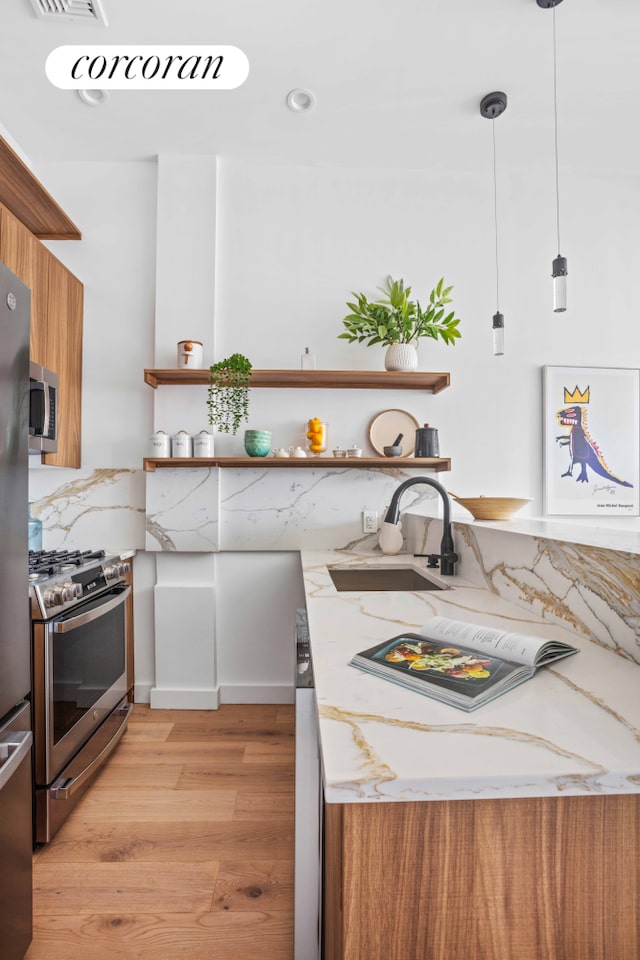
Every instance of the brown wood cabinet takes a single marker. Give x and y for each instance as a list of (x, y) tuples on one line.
[(538, 878), (56, 327)]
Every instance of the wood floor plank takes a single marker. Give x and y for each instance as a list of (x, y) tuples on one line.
[(254, 885), (221, 776), (219, 935), (147, 731), (151, 804), (150, 752), (147, 775), (111, 888), (251, 805), (277, 750), (171, 842)]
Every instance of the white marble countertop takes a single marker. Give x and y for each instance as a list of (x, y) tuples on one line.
[(572, 729), (621, 533)]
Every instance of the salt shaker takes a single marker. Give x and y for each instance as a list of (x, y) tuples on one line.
[(182, 445)]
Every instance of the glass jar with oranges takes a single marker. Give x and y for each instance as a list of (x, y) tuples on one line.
[(317, 431)]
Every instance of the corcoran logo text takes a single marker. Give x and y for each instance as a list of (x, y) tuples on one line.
[(147, 67)]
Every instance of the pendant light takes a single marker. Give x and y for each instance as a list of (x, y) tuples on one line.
[(491, 107), (559, 265)]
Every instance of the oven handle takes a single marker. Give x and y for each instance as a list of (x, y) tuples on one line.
[(64, 788), (65, 626)]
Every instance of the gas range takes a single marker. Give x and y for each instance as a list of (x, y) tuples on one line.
[(61, 579)]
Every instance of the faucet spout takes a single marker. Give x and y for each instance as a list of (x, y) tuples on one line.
[(447, 556)]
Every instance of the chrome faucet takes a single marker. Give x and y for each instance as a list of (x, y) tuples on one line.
[(447, 556)]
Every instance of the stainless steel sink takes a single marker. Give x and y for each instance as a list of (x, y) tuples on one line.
[(360, 579)]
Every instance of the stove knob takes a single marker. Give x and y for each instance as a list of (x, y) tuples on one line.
[(68, 591), (126, 568), (52, 598), (77, 591), (110, 573)]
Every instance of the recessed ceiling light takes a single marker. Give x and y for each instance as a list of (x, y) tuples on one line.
[(300, 100), (94, 98)]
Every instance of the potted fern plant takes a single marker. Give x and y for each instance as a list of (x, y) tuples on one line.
[(228, 393), (397, 322)]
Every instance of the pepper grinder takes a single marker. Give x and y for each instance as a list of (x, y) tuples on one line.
[(427, 444)]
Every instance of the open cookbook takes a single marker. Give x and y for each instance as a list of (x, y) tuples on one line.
[(462, 664)]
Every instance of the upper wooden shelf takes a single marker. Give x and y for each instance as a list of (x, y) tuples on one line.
[(318, 463), (23, 194), (330, 379)]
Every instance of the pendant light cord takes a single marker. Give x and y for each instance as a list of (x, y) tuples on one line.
[(495, 213), (555, 120)]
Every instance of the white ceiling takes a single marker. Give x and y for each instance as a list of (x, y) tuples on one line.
[(396, 84)]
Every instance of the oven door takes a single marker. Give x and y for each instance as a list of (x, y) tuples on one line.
[(79, 677)]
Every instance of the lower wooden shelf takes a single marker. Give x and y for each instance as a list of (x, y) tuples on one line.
[(380, 463)]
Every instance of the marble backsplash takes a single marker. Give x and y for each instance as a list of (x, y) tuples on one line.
[(590, 589)]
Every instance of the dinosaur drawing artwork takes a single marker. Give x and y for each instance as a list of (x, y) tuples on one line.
[(584, 451)]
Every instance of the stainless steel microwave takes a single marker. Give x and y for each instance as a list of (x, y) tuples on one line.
[(43, 409)]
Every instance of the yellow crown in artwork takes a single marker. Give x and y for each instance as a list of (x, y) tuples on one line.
[(576, 396)]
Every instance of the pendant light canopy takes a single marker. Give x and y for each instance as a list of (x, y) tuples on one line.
[(559, 265), (493, 106)]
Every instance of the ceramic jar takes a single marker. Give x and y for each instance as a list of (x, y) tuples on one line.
[(280, 453), (203, 444), (297, 452), (160, 444), (257, 443), (190, 354), (182, 444)]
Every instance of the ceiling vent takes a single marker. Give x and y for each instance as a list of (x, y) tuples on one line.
[(86, 11)]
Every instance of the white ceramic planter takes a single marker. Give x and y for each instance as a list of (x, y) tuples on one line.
[(401, 356)]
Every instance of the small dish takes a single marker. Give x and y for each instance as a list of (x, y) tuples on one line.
[(354, 451), (339, 452), (386, 426)]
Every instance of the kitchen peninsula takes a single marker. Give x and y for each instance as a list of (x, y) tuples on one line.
[(512, 833)]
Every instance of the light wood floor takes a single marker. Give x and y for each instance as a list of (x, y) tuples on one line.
[(183, 847)]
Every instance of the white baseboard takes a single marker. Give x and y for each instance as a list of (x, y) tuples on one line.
[(142, 692), (164, 699), (257, 693)]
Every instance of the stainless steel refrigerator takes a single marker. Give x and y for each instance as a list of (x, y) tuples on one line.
[(16, 816)]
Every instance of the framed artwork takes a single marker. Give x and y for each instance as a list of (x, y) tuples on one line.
[(591, 435)]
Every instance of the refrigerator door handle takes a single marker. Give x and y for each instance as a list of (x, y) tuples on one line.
[(64, 788), (12, 753)]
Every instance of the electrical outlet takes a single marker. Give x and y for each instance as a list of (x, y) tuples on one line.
[(369, 521)]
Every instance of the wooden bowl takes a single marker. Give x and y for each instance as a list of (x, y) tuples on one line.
[(492, 508)]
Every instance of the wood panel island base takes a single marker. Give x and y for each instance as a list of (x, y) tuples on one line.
[(537, 878)]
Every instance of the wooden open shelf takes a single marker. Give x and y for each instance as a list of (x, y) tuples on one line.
[(313, 379), (23, 194), (322, 463)]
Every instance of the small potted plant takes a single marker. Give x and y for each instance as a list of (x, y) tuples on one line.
[(398, 322), (228, 393)]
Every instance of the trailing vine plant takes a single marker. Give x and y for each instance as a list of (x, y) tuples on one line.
[(228, 394)]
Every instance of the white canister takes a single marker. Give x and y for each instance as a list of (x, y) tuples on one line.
[(203, 444), (182, 445), (190, 354), (160, 444)]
